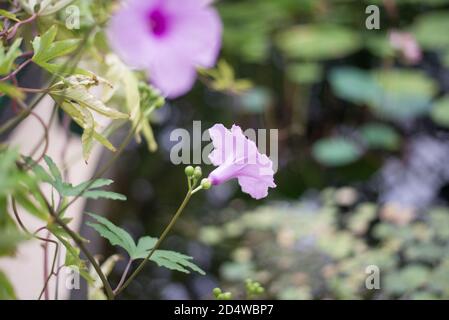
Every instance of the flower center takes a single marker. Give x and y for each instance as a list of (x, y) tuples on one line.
[(158, 22)]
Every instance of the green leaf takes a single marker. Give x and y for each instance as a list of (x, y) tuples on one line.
[(429, 30), (169, 259), (318, 42), (116, 235), (9, 15), (70, 190), (405, 93), (57, 182), (10, 237), (440, 111), (378, 135), (144, 246), (11, 91), (305, 73), (25, 201), (175, 261), (6, 288), (103, 194), (8, 57), (46, 49), (336, 151), (354, 85), (395, 94)]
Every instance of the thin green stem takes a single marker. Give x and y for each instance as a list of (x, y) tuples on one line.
[(158, 243)]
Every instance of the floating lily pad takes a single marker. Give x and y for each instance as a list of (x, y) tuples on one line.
[(440, 111), (318, 42), (378, 135), (336, 151)]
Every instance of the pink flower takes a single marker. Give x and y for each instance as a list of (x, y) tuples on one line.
[(167, 38), (406, 43), (237, 157)]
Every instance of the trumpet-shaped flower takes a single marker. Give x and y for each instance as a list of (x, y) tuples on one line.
[(237, 157), (167, 38)]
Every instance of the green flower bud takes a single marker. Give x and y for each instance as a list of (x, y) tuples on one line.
[(227, 296), (189, 171), (206, 184), (216, 292), (198, 172)]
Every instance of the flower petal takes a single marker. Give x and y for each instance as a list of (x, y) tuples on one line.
[(128, 34), (222, 141), (197, 31), (172, 75)]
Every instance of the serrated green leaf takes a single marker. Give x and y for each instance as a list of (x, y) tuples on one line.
[(42, 44), (144, 246), (46, 49), (103, 194), (60, 48), (116, 235), (57, 182), (88, 185), (84, 98), (175, 261)]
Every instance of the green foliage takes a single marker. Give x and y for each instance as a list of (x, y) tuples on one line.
[(163, 258), (88, 189), (9, 15), (72, 258), (22, 186), (47, 49), (6, 289), (223, 79), (7, 57), (73, 96), (11, 91)]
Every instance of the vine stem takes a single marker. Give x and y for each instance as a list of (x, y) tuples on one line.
[(80, 243), (89, 256), (158, 243)]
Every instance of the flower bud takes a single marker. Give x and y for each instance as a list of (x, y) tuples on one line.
[(189, 171), (226, 296), (198, 172), (206, 184), (216, 292)]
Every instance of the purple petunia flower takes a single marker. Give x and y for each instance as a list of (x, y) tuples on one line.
[(168, 38), (237, 157)]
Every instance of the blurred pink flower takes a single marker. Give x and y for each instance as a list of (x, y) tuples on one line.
[(167, 38), (408, 46), (237, 157)]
